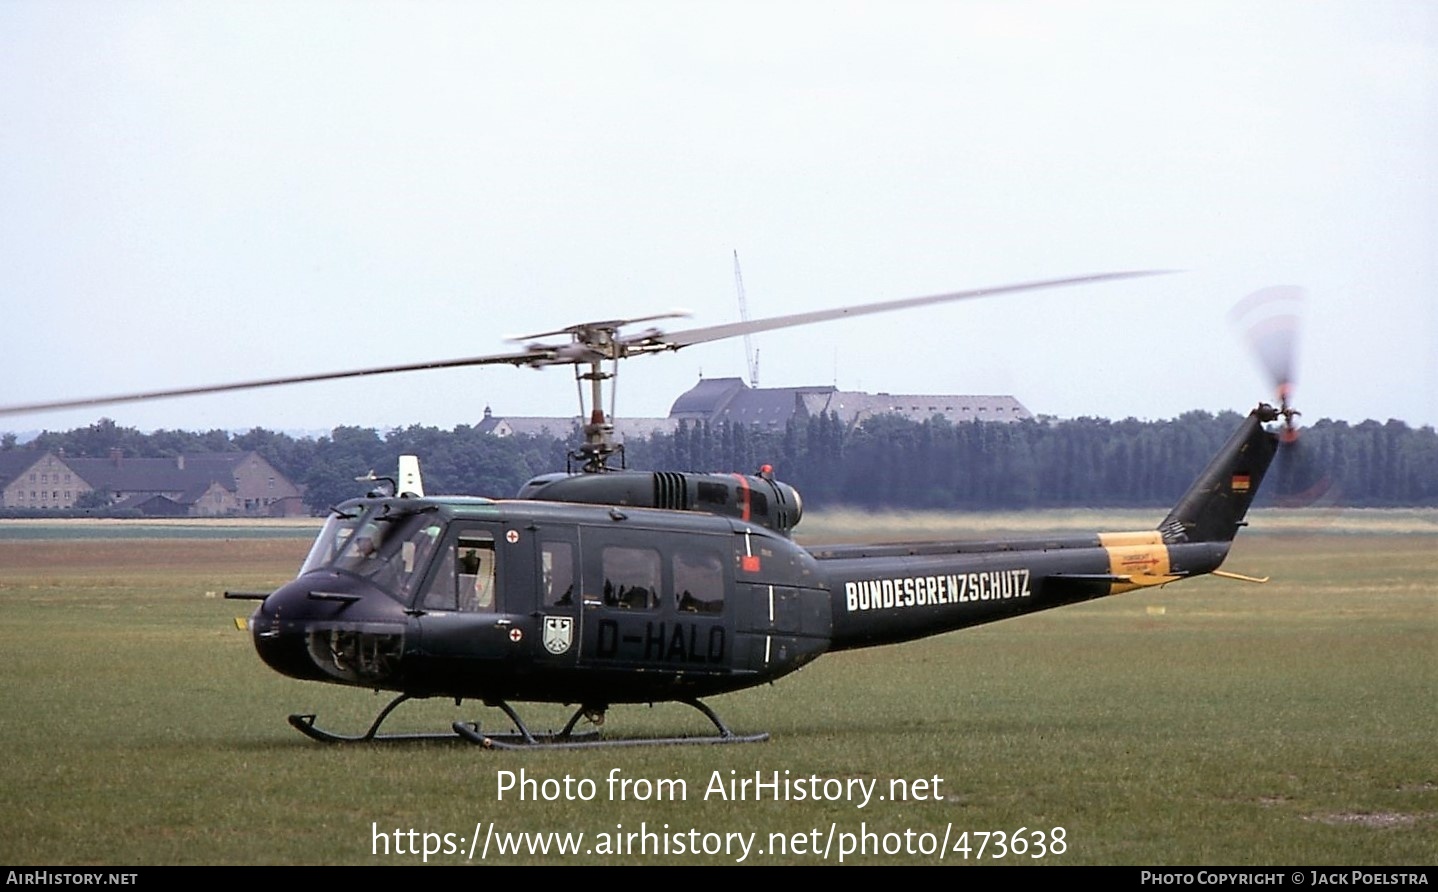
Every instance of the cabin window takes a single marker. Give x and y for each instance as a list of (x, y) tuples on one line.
[(698, 581), (557, 565), (631, 578)]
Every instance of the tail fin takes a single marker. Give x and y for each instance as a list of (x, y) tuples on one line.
[(1213, 508)]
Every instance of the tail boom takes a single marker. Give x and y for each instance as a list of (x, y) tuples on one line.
[(897, 592)]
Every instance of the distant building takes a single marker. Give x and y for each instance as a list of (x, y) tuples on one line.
[(525, 425), (563, 428), (195, 485), (731, 400), (30, 479)]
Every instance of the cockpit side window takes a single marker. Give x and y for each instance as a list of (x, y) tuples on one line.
[(415, 555), (465, 578)]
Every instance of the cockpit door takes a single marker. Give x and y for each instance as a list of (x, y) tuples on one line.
[(466, 608)]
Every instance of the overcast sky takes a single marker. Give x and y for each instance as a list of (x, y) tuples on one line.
[(195, 193)]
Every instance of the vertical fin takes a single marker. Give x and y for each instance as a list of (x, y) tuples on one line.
[(1213, 508)]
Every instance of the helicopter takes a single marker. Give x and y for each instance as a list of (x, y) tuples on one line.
[(602, 585)]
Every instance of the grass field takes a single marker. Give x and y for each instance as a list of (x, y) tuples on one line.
[(1212, 722)]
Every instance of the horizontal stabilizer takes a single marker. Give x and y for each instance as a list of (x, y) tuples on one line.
[(1088, 585)]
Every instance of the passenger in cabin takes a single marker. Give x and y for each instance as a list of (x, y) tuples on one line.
[(465, 577), (476, 579), (484, 584)]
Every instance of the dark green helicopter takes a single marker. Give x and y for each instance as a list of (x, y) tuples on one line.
[(611, 586)]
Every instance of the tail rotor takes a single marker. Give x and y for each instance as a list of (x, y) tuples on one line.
[(1270, 320)]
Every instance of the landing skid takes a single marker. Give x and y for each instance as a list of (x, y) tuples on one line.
[(305, 724), (568, 740), (522, 738)]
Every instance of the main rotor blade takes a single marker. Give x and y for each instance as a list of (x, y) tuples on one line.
[(525, 358), (649, 341), (653, 342)]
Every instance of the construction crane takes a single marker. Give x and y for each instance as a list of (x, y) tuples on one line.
[(750, 353)]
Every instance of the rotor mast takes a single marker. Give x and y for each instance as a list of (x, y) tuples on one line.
[(598, 443)]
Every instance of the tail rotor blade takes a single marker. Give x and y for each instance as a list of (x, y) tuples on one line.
[(1300, 479), (1269, 320)]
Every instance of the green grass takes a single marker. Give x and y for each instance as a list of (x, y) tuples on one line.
[(176, 528), (1209, 722)]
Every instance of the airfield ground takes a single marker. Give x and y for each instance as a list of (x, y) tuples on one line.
[(1212, 722)]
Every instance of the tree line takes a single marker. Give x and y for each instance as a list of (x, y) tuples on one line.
[(887, 462)]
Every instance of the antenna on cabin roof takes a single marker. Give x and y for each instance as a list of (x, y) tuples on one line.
[(750, 353)]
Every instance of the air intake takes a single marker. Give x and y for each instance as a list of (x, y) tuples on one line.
[(671, 491)]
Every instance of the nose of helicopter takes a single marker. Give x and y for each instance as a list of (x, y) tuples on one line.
[(328, 626)]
